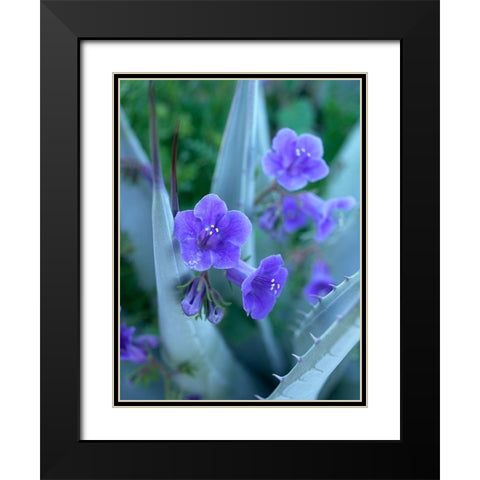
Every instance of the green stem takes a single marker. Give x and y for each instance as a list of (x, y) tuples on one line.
[(271, 188), (166, 376)]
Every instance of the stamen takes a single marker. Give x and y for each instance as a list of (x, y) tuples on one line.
[(309, 154), (297, 151), (216, 229), (303, 150)]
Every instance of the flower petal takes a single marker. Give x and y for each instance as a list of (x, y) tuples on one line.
[(284, 141), (268, 218), (342, 203), (235, 227), (324, 229), (312, 205), (258, 306), (226, 255), (186, 225), (293, 217), (315, 170), (312, 145), (320, 283), (195, 257), (272, 163), (210, 209), (193, 300), (291, 182), (281, 277), (134, 354), (149, 341), (269, 266)]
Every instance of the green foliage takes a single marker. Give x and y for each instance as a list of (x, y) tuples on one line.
[(202, 107), (298, 116), (144, 375)]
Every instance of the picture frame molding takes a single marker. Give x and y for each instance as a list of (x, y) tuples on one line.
[(64, 25)]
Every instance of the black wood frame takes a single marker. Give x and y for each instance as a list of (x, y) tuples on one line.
[(64, 24)]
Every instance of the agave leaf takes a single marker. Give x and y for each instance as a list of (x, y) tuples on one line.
[(325, 312), (245, 141), (137, 221), (307, 378), (344, 179), (342, 249), (233, 179)]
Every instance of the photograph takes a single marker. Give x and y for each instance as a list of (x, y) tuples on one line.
[(239, 239)]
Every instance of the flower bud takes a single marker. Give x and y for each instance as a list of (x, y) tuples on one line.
[(192, 302)]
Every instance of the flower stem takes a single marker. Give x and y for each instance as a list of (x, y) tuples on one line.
[(271, 188), (166, 376)]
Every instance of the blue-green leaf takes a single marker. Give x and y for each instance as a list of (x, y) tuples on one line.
[(312, 370), (136, 207), (326, 311), (342, 249)]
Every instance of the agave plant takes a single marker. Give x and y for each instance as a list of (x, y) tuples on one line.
[(238, 317)]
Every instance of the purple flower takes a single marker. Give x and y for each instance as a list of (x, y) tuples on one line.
[(135, 349), (215, 313), (260, 287), (211, 236), (294, 217), (322, 212), (320, 282), (294, 161), (193, 300), (269, 218)]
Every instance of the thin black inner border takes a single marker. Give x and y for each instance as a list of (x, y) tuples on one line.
[(244, 403)]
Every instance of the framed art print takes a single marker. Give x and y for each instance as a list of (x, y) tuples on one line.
[(202, 361), (237, 265)]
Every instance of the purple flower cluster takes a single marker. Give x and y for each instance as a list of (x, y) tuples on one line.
[(211, 236), (294, 161), (135, 348), (320, 283), (296, 210)]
